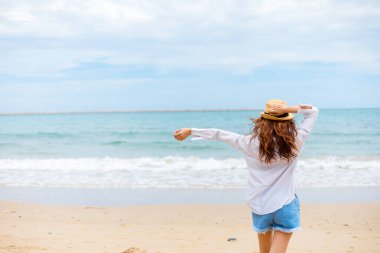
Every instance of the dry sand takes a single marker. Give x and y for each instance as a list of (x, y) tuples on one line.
[(179, 229)]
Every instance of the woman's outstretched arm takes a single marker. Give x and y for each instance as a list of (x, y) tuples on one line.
[(236, 140)]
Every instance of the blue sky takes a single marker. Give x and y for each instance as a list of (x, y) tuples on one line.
[(63, 55)]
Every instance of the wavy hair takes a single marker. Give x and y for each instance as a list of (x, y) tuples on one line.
[(277, 139)]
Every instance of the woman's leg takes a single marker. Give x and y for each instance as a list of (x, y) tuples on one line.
[(265, 241), (280, 242)]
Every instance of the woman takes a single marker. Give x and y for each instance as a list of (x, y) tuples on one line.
[(271, 153)]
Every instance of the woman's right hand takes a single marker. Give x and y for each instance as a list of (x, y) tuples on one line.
[(182, 134)]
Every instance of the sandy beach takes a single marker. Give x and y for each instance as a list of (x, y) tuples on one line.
[(192, 228)]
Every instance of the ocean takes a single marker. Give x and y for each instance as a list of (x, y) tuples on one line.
[(136, 150)]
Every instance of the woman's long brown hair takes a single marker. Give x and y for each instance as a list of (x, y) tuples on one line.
[(277, 139)]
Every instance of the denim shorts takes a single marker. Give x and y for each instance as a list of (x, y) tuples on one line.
[(285, 219)]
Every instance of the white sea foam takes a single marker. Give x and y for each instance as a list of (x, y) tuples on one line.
[(178, 172)]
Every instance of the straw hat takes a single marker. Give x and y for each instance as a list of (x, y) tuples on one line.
[(266, 115)]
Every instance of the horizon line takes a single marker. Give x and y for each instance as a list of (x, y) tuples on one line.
[(153, 110), (126, 111)]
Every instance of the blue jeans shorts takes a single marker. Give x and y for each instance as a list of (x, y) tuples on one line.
[(285, 219)]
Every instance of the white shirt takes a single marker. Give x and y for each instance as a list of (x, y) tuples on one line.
[(270, 186)]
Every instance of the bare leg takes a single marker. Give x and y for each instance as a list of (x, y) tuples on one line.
[(280, 242), (265, 241)]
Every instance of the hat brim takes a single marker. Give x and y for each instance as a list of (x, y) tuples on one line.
[(272, 117)]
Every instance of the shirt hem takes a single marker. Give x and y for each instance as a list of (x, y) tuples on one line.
[(272, 211)]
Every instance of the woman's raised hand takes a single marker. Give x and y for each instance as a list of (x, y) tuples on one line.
[(277, 109), (182, 133)]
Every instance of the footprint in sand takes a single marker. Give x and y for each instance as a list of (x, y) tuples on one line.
[(134, 250)]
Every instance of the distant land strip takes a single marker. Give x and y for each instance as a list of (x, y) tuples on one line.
[(168, 110), (127, 111)]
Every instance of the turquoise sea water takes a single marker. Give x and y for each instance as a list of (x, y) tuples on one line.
[(354, 132), (136, 149)]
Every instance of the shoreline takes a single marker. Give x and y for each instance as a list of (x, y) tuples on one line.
[(338, 228), (119, 197)]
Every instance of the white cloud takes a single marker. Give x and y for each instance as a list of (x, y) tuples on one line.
[(236, 36)]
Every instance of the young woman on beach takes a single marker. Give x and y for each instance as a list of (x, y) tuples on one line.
[(271, 153)]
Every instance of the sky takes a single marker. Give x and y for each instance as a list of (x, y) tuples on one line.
[(91, 55)]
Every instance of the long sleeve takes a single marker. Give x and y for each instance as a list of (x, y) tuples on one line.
[(235, 140), (309, 118)]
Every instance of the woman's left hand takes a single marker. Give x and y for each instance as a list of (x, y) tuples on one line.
[(182, 133), (277, 109)]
